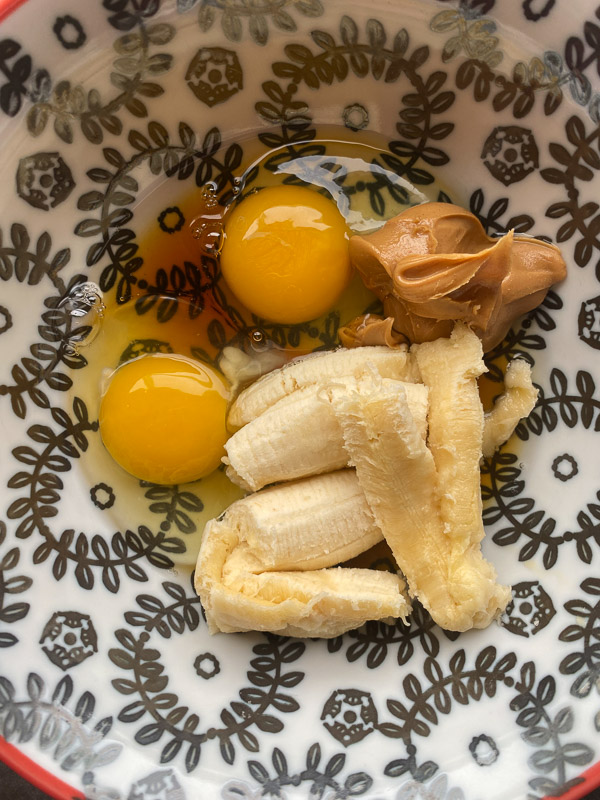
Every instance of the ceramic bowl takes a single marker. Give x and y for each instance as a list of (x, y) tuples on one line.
[(113, 115)]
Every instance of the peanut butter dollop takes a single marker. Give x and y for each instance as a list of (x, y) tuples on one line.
[(434, 264)]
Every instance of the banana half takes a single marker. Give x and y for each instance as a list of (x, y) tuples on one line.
[(267, 564)]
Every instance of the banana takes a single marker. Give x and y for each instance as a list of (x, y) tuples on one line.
[(450, 368), (299, 435), (316, 604), (308, 524), (242, 574), (397, 474), (412, 425), (517, 401), (315, 368)]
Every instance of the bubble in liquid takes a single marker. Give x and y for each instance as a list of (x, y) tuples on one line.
[(207, 228), (83, 298), (209, 195), (260, 342), (208, 234), (84, 304)]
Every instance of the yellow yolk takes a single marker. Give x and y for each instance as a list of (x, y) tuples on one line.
[(285, 253), (162, 418)]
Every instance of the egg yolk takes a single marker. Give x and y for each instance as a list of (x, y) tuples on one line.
[(162, 418), (285, 253)]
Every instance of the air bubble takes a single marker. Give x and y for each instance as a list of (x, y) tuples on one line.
[(82, 299), (208, 233), (84, 305), (259, 342), (209, 195)]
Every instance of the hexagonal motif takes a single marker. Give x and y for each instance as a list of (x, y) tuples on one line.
[(588, 322), (349, 715), (214, 75), (159, 785), (530, 609), (44, 180), (68, 638), (510, 153)]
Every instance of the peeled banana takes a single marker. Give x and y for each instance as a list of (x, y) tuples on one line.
[(299, 435), (411, 424), (250, 576), (308, 524), (316, 368), (517, 401), (397, 474), (450, 368), (317, 603)]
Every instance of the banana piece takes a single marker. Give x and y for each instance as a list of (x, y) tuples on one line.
[(239, 593), (515, 403), (299, 435), (450, 368), (308, 524), (397, 474), (316, 368), (316, 604)]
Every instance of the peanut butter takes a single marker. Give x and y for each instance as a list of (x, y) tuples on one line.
[(434, 264)]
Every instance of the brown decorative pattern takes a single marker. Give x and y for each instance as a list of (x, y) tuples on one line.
[(123, 636)]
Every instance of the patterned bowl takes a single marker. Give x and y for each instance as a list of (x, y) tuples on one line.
[(110, 686)]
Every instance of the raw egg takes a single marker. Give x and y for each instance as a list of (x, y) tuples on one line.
[(285, 253), (162, 418)]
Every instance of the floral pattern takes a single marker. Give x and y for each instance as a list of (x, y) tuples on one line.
[(126, 693)]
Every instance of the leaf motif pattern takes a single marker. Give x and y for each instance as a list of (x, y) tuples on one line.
[(42, 467), (57, 727), (503, 488), (117, 242), (544, 730), (576, 163), (583, 663), (257, 15), (268, 678), (436, 672), (334, 63), (14, 584), (135, 67)]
